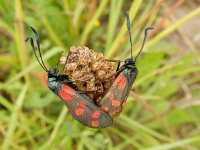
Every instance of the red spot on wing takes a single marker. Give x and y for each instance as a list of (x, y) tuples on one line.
[(117, 80), (95, 123), (66, 93), (96, 114), (82, 104), (111, 95), (79, 111), (122, 83), (68, 89), (115, 103), (115, 112), (105, 108)]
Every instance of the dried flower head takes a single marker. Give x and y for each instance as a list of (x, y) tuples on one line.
[(89, 70)]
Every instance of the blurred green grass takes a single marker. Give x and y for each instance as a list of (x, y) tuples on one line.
[(162, 111)]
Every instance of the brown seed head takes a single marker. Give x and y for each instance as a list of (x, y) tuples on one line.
[(89, 70)]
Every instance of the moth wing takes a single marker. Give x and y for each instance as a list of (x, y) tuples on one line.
[(116, 96), (83, 109)]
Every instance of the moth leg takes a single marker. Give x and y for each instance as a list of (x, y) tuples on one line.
[(116, 61)]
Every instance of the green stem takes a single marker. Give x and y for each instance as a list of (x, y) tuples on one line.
[(176, 144), (13, 119), (48, 55), (115, 10), (20, 36), (52, 34), (90, 25), (59, 121), (133, 11), (173, 27), (133, 124), (165, 68)]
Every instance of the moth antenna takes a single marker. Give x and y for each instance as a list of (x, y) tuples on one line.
[(38, 46), (65, 62), (128, 25), (58, 63), (144, 40), (33, 49)]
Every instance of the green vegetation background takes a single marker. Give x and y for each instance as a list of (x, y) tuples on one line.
[(162, 111)]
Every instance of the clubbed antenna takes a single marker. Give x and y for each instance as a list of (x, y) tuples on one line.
[(144, 40), (41, 62), (128, 24)]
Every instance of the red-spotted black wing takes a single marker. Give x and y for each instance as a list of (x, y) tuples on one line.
[(116, 96), (83, 109)]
